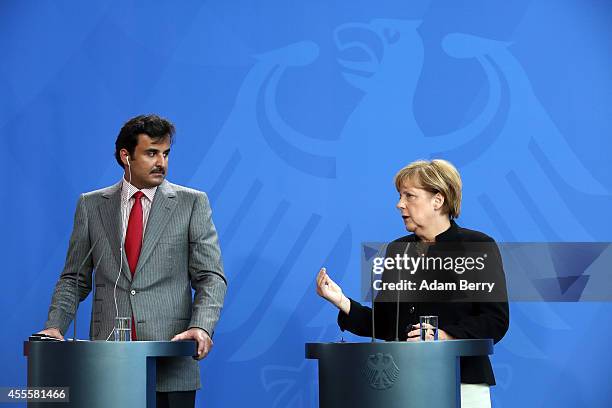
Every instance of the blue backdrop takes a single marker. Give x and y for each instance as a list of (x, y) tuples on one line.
[(294, 116)]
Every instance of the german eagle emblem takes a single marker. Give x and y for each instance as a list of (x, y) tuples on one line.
[(381, 371)]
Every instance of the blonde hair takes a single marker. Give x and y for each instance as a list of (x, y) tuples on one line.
[(435, 176)]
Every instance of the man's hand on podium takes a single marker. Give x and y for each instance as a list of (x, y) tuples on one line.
[(52, 332), (205, 343)]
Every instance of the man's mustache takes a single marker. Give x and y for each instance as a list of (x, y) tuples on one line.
[(158, 170)]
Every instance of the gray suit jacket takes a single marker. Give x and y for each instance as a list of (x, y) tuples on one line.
[(180, 251)]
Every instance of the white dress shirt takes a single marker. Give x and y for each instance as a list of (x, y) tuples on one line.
[(127, 202)]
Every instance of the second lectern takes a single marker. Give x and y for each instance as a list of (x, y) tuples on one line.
[(392, 374)]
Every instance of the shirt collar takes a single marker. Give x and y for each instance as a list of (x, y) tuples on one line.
[(451, 234), (128, 190)]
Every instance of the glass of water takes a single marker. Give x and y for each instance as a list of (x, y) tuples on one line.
[(123, 329), (429, 325)]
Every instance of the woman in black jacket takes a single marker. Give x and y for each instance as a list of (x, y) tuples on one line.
[(429, 201)]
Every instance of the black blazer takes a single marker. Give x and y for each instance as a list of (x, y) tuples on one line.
[(462, 320)]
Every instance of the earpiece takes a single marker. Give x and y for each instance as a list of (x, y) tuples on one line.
[(128, 160)]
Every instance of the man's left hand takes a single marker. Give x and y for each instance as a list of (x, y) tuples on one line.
[(205, 343)]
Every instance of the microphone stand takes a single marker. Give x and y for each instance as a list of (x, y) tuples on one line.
[(77, 298)]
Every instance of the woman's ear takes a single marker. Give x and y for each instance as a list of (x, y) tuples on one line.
[(438, 201)]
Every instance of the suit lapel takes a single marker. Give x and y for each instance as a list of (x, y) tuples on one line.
[(110, 212), (161, 210)]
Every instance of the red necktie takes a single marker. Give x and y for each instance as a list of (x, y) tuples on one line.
[(133, 240)]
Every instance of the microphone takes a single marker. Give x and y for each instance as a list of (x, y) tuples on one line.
[(76, 292), (397, 304), (372, 288), (93, 300), (418, 249)]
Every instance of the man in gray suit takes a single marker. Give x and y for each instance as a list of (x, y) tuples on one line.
[(150, 242)]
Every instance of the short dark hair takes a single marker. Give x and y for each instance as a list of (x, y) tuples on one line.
[(153, 126)]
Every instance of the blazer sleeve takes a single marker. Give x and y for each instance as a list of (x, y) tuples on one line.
[(205, 267), (79, 261)]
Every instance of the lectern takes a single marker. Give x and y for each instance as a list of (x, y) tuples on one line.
[(100, 373), (392, 374)]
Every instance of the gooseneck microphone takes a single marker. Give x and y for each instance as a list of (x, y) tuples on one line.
[(380, 250), (77, 298), (397, 303), (93, 294)]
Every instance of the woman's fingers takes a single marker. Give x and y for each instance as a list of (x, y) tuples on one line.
[(328, 289), (425, 326), (321, 278), (324, 284), (414, 333)]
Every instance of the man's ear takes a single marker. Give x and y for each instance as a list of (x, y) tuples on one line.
[(124, 154)]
